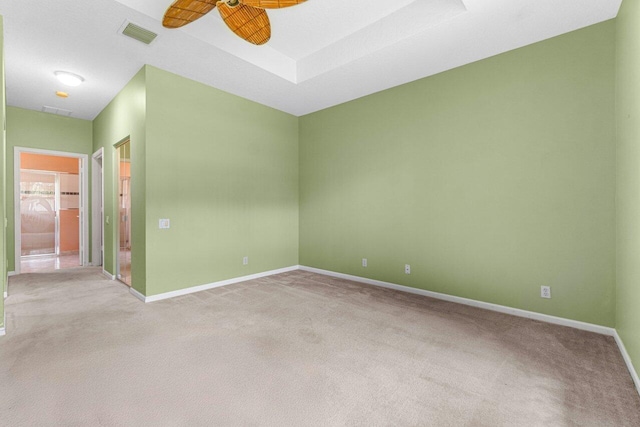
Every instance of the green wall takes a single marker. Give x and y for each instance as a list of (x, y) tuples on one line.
[(34, 129), (490, 180), (125, 117), (224, 170), (628, 177), (3, 175)]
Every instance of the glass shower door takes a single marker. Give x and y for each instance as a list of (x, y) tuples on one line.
[(38, 213)]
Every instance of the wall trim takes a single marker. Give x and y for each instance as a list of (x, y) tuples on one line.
[(576, 324), (9, 274), (604, 330), (3, 330), (208, 286), (590, 327), (108, 275), (627, 360), (97, 207), (137, 295)]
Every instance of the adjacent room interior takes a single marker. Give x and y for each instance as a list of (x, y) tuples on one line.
[(433, 223), (124, 212), (49, 212)]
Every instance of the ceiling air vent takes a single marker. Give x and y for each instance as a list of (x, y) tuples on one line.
[(137, 32), (58, 111)]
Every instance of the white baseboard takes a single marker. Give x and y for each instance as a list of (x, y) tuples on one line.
[(2, 332), (499, 308), (465, 301), (109, 275), (6, 294), (473, 303), (200, 288), (138, 295), (11, 273), (627, 360)]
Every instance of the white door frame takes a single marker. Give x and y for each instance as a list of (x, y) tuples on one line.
[(97, 208), (84, 197)]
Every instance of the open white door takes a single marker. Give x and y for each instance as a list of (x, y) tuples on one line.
[(97, 209)]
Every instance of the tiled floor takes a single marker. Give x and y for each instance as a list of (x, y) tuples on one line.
[(49, 263)]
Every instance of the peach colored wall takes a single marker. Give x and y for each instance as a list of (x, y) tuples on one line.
[(69, 230), (43, 162)]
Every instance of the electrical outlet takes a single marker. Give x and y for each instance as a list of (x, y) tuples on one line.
[(364, 262), (545, 291), (407, 269), (245, 260)]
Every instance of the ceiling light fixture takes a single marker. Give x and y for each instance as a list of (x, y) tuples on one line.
[(68, 78)]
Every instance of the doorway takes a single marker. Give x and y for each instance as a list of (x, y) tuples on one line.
[(50, 191), (124, 210)]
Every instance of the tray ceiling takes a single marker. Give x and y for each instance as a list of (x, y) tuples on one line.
[(322, 52)]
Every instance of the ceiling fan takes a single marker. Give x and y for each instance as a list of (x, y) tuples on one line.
[(247, 18)]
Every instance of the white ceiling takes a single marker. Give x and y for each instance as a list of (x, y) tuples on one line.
[(322, 52)]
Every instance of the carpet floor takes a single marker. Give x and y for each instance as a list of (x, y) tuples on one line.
[(296, 349)]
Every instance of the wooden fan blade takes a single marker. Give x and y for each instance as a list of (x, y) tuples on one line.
[(183, 12), (249, 23), (271, 4)]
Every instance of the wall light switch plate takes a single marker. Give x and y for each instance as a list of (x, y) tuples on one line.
[(245, 260), (364, 262), (164, 223)]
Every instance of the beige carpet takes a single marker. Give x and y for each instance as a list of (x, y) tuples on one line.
[(291, 350)]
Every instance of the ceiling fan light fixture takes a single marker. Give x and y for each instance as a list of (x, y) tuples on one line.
[(68, 78)]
